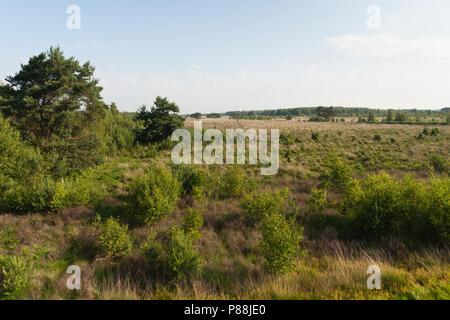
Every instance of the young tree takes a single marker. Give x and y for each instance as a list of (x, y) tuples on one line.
[(371, 117), (43, 96), (159, 122), (325, 112), (390, 116)]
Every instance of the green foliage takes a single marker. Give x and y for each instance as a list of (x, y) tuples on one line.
[(315, 136), (193, 180), (153, 196), (42, 195), (47, 195), (17, 160), (281, 242), (192, 223), (44, 98), (182, 258), (114, 238), (153, 250), (196, 115), (434, 132), (160, 122), (390, 116), (257, 205), (438, 163), (116, 131), (405, 208), (336, 172), (233, 182), (371, 117), (401, 117), (377, 137), (317, 203), (15, 276)]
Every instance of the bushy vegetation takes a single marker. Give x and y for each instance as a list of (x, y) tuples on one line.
[(15, 276), (182, 258), (233, 182), (259, 204), (152, 196), (281, 242), (187, 231), (384, 206), (193, 179), (114, 238)]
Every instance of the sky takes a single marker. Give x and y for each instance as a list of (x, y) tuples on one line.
[(217, 56)]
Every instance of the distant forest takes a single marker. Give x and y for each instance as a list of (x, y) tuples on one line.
[(338, 112)]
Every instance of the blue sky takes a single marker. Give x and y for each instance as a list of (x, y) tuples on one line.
[(215, 56)]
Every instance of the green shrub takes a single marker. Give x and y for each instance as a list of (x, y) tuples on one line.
[(405, 208), (438, 163), (47, 195), (18, 161), (315, 136), (182, 258), (377, 137), (153, 195), (193, 221), (233, 182), (114, 238), (336, 172), (153, 250), (257, 205), (318, 201), (281, 242), (15, 276), (193, 180), (434, 131), (42, 195)]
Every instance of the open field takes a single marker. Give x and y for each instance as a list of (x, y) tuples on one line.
[(331, 263)]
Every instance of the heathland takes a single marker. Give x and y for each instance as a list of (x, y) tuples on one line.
[(82, 184)]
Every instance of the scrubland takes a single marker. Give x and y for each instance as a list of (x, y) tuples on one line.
[(347, 196)]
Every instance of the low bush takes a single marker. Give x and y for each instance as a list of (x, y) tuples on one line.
[(43, 195), (153, 196), (182, 258), (192, 179), (192, 223), (114, 238), (336, 172), (317, 203), (383, 206), (438, 163), (15, 276), (257, 205), (280, 242), (233, 182)]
